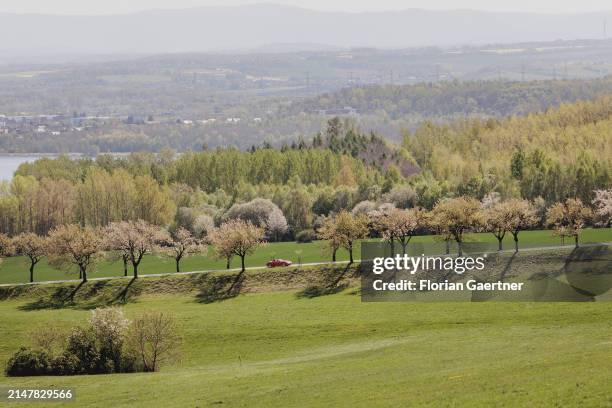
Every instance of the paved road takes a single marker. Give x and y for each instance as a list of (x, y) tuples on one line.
[(157, 275)]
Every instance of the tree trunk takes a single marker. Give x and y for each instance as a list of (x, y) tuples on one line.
[(125, 266), (392, 242), (178, 268), (447, 247), (404, 247), (460, 248), (500, 246), (135, 271), (350, 253), (334, 255), (576, 240), (515, 242), (32, 271), (242, 263), (83, 273), (228, 264)]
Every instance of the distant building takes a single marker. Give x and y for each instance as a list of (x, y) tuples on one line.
[(77, 121), (347, 110)]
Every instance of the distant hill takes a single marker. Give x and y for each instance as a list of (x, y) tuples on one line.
[(254, 26), (453, 99)]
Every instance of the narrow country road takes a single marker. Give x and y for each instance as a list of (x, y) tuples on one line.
[(252, 268)]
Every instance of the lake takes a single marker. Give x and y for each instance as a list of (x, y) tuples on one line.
[(9, 163)]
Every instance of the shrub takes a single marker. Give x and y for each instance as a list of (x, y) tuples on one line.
[(99, 348), (109, 327), (82, 347), (66, 364), (51, 340), (402, 197), (153, 338), (305, 236), (26, 362), (364, 207)]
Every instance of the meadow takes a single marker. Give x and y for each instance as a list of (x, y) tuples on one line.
[(279, 349), (278, 344), (15, 269)]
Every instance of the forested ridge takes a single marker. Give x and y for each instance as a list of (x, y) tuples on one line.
[(563, 152), (455, 98), (546, 158)]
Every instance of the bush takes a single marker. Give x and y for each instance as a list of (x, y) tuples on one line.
[(66, 364), (109, 327), (27, 362), (305, 236), (153, 337), (99, 348), (82, 348)]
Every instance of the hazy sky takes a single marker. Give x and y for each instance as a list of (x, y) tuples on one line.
[(125, 6)]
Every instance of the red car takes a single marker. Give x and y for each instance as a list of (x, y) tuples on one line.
[(278, 262)]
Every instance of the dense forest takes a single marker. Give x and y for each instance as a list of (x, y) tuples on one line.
[(546, 157), (564, 152)]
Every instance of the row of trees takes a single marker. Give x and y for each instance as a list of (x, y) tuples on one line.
[(451, 219), (73, 246), (70, 247), (30, 205)]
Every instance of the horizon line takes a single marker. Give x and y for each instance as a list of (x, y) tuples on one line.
[(315, 10)]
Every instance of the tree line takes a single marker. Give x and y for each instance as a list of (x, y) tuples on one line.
[(451, 218), (455, 98), (247, 228)]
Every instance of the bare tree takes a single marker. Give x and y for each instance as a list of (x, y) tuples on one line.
[(32, 246), (153, 338), (237, 237), (181, 244), (135, 239), (76, 245)]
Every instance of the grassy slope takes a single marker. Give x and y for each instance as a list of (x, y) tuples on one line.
[(275, 349), (15, 270), (280, 349)]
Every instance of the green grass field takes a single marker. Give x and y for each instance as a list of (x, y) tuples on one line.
[(274, 347), (277, 350), (15, 269)]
